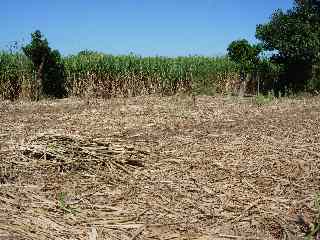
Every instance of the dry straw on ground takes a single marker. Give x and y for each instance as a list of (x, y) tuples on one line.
[(158, 168)]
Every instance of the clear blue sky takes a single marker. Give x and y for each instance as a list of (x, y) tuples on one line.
[(144, 27)]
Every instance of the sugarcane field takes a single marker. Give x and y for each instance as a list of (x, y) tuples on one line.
[(160, 120)]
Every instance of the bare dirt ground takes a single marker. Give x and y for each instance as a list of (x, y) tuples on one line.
[(158, 168)]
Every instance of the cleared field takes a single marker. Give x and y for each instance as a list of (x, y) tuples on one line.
[(158, 168)]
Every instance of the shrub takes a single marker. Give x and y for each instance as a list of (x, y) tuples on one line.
[(48, 66)]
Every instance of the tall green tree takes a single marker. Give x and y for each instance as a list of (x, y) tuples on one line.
[(244, 54), (294, 38), (48, 65)]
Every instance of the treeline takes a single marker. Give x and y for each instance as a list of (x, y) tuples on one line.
[(292, 40), (39, 72)]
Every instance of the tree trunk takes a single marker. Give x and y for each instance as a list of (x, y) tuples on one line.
[(39, 80), (243, 85)]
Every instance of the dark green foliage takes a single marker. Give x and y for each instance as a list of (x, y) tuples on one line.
[(48, 65), (295, 34), (269, 73), (314, 82), (294, 37), (53, 81), (88, 53), (245, 55), (38, 50)]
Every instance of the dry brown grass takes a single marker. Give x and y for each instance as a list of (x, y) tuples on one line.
[(158, 168)]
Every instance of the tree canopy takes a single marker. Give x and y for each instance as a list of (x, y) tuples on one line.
[(243, 53), (294, 38), (294, 34), (48, 65)]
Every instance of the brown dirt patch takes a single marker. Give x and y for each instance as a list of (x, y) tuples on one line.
[(158, 168)]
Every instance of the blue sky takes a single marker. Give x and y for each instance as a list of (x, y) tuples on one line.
[(144, 27)]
